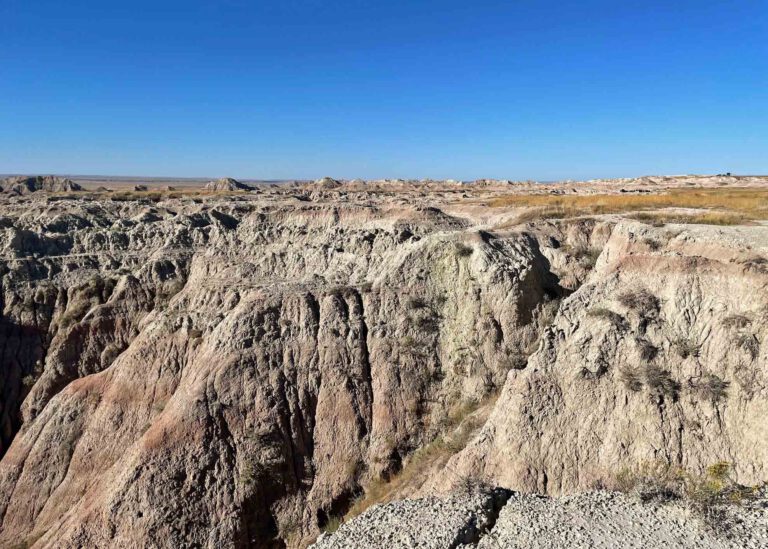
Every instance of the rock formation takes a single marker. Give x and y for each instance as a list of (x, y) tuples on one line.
[(227, 184), (664, 340), (31, 184), (235, 370)]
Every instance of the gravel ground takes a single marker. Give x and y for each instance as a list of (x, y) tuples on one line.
[(592, 520), (428, 523)]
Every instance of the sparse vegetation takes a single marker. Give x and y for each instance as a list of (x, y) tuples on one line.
[(653, 244), (460, 426), (169, 289), (720, 206), (709, 387), (462, 250), (737, 322), (707, 495), (586, 256), (659, 219), (513, 360), (685, 348), (640, 300), (95, 291), (650, 481), (749, 343), (366, 287), (660, 382), (427, 324), (333, 523), (632, 378), (646, 349), (603, 313), (416, 303)]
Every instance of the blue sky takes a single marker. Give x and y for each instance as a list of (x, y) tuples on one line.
[(514, 89)]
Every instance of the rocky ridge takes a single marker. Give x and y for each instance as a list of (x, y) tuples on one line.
[(26, 185)]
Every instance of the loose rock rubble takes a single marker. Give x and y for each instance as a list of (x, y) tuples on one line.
[(599, 520)]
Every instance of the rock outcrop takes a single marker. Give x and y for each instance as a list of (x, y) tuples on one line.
[(262, 361), (227, 184), (664, 340), (31, 184)]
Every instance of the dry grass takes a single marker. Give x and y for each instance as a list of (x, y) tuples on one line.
[(709, 387), (459, 427), (724, 206), (706, 495), (153, 195), (640, 300), (606, 314)]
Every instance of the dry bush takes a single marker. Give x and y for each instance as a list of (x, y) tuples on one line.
[(606, 314), (709, 495), (513, 360), (709, 387), (587, 257), (640, 300), (462, 250), (685, 348), (427, 324), (653, 245), (461, 425), (749, 343), (757, 263), (650, 481), (416, 303), (660, 382), (332, 524), (736, 322), (632, 378), (646, 349)]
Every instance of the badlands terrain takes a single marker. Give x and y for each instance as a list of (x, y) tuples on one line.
[(384, 363)]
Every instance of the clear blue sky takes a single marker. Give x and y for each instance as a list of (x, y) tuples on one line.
[(463, 89)]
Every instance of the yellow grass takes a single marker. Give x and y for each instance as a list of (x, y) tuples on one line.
[(462, 423), (725, 206)]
